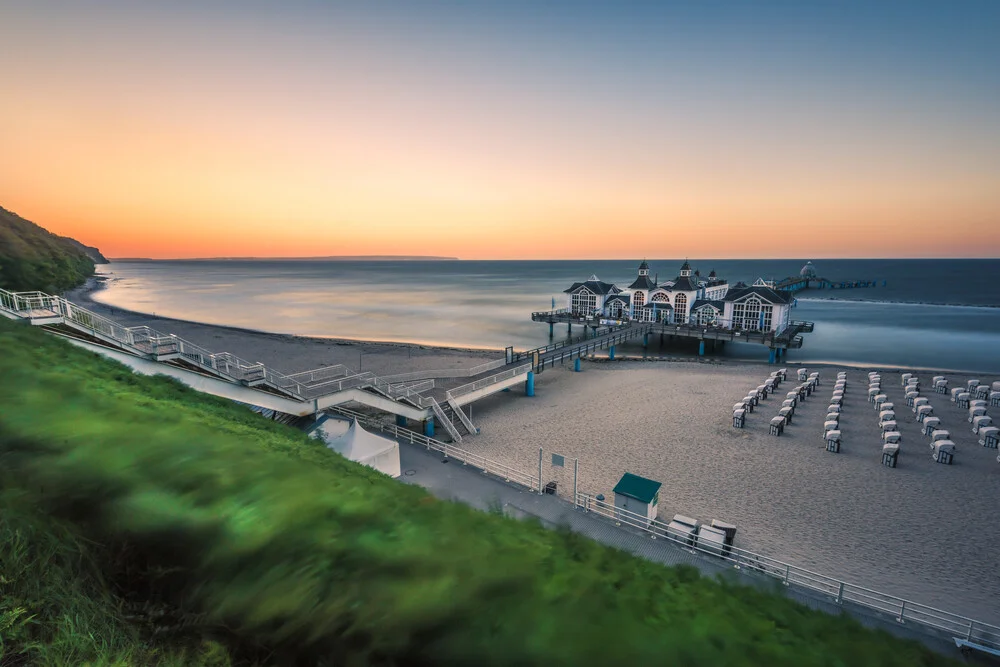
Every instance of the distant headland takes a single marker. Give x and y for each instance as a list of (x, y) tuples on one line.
[(330, 258)]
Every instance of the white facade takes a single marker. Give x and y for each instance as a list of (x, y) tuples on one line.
[(687, 299)]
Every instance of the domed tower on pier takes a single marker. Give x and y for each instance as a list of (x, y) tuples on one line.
[(808, 271)]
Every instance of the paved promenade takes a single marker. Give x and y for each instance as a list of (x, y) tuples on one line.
[(450, 480)]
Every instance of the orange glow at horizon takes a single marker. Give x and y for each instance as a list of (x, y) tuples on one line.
[(183, 155)]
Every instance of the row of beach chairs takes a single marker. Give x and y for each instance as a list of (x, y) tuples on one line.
[(753, 398), (802, 391), (831, 426)]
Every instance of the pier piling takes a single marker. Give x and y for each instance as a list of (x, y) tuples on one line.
[(772, 356), (529, 384), (429, 427), (576, 364), (701, 348), (611, 353)]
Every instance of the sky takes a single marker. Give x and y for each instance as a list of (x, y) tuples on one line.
[(503, 130)]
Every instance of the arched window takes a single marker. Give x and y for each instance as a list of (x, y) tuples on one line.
[(638, 298), (615, 309), (660, 297), (680, 308)]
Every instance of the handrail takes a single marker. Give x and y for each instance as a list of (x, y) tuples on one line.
[(841, 591), (487, 381), (443, 418), (462, 417)]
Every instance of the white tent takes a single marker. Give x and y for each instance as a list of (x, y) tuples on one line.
[(352, 441)]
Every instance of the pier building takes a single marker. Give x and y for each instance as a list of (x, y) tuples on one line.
[(689, 306)]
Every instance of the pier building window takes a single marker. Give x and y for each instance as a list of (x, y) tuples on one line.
[(661, 297), (615, 310), (747, 314), (584, 303), (680, 308), (706, 316), (638, 299)]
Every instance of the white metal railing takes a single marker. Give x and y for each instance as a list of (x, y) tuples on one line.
[(445, 421), (462, 417), (487, 381), (447, 373), (484, 464), (841, 591), (319, 374)]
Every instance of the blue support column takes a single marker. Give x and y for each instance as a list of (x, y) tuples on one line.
[(552, 329), (400, 420), (529, 384), (569, 328), (771, 359), (576, 364), (429, 427), (701, 348), (611, 352), (645, 340)]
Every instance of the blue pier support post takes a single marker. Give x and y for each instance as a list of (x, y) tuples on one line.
[(529, 384), (552, 329), (576, 364), (400, 420), (429, 427), (701, 348), (772, 357), (611, 353), (569, 328), (645, 340)]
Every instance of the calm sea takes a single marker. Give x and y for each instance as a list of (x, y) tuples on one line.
[(928, 313)]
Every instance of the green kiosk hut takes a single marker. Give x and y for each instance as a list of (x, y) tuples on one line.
[(637, 495)]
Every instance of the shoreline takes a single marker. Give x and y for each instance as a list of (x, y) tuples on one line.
[(84, 296)]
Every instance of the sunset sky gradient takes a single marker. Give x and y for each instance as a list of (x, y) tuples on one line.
[(506, 129)]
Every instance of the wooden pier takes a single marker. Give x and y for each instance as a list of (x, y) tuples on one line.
[(787, 339), (798, 283)]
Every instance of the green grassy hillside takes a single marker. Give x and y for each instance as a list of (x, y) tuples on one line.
[(33, 259), (157, 524)]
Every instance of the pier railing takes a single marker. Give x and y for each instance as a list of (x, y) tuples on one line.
[(838, 591), (487, 381)]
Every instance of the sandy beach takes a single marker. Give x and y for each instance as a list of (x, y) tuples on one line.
[(923, 531)]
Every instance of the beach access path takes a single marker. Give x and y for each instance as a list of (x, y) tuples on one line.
[(450, 480)]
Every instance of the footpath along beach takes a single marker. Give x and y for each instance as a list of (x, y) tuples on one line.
[(922, 531)]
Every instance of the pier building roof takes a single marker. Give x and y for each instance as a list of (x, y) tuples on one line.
[(624, 298), (765, 293), (684, 284), (701, 303), (642, 282), (640, 488), (594, 285)]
